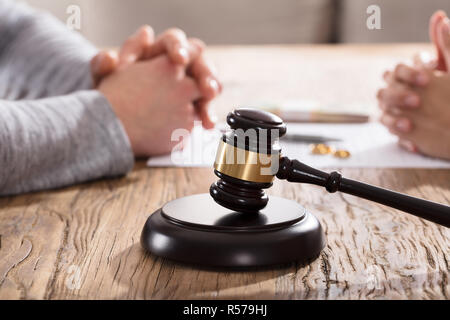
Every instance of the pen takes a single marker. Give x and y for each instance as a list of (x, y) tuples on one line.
[(320, 116), (302, 138)]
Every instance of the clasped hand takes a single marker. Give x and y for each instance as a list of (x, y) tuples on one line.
[(415, 103), (156, 86)]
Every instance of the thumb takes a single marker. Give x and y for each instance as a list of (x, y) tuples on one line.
[(435, 20), (103, 64), (443, 35)]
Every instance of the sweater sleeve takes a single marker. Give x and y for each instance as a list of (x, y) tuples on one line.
[(54, 129), (59, 141), (39, 56)]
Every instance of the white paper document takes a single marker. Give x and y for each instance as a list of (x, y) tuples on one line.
[(370, 145)]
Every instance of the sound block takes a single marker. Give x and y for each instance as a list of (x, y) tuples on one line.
[(197, 230)]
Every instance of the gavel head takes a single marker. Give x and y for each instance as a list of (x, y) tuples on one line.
[(247, 159)]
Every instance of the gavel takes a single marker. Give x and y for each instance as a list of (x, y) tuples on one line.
[(249, 158)]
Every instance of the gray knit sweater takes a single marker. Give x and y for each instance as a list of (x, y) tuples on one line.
[(54, 129)]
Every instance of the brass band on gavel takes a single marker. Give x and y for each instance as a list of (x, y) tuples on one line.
[(246, 165)]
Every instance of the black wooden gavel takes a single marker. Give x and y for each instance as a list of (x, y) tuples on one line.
[(249, 157)]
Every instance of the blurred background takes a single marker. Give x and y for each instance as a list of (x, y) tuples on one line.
[(107, 22)]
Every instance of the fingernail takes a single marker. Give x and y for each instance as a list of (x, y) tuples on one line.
[(421, 79), (408, 145), (446, 26), (440, 13), (387, 120), (412, 101), (183, 53), (213, 84), (113, 53), (403, 125)]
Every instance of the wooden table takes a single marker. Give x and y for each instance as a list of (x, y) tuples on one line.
[(82, 242)]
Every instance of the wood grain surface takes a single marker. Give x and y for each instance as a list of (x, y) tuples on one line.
[(82, 242)]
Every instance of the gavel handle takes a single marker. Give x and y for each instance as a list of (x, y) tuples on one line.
[(296, 171)]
